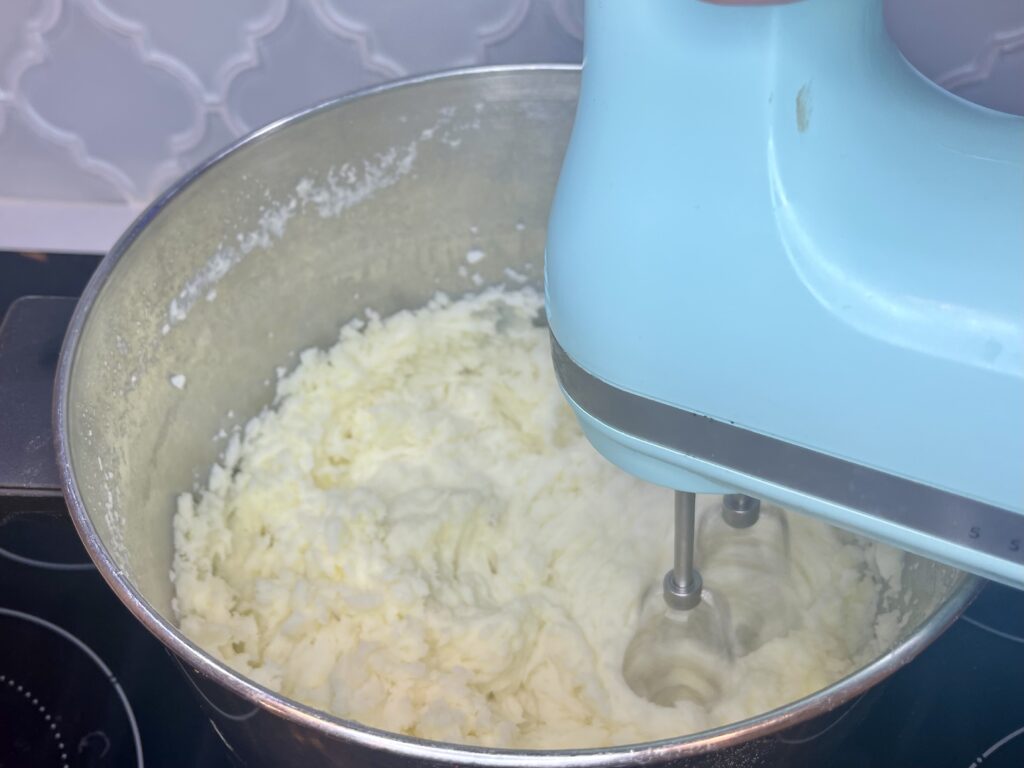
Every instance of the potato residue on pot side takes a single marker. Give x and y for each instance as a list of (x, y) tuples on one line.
[(418, 537)]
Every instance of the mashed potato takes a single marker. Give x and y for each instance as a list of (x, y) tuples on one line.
[(419, 538)]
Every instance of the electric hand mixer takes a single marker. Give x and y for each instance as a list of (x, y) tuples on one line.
[(783, 264)]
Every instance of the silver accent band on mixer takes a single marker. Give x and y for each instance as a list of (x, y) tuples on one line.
[(957, 519)]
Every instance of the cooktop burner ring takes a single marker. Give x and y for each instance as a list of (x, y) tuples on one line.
[(43, 541), (992, 630), (987, 754), (40, 709), (34, 694), (46, 564)]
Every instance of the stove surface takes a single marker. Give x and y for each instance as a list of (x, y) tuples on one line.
[(83, 684)]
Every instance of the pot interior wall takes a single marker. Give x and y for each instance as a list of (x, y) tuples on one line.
[(371, 204)]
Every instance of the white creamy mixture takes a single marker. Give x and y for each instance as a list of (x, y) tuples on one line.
[(418, 537)]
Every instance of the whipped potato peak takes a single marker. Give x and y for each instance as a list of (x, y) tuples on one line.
[(418, 537)]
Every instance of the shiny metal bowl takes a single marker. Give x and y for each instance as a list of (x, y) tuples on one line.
[(371, 200)]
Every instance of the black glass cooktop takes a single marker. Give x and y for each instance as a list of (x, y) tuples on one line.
[(82, 684)]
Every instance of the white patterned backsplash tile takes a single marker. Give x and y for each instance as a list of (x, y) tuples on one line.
[(21, 22), (206, 43), (97, 93), (218, 132), (419, 37), (305, 59), (34, 167), (975, 49), (105, 102)]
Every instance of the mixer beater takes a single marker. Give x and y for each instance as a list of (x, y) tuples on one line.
[(687, 634), (682, 585)]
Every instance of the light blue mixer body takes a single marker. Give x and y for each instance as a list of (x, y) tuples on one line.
[(782, 262)]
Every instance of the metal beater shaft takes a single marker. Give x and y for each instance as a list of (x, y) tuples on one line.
[(682, 585), (740, 511)]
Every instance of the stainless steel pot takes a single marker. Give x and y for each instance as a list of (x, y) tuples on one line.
[(369, 201)]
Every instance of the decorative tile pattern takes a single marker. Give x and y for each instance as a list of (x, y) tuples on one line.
[(973, 49), (101, 95), (21, 23), (206, 43), (395, 34), (307, 58), (107, 101), (36, 167)]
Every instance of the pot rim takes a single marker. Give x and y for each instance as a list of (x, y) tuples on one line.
[(350, 731)]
